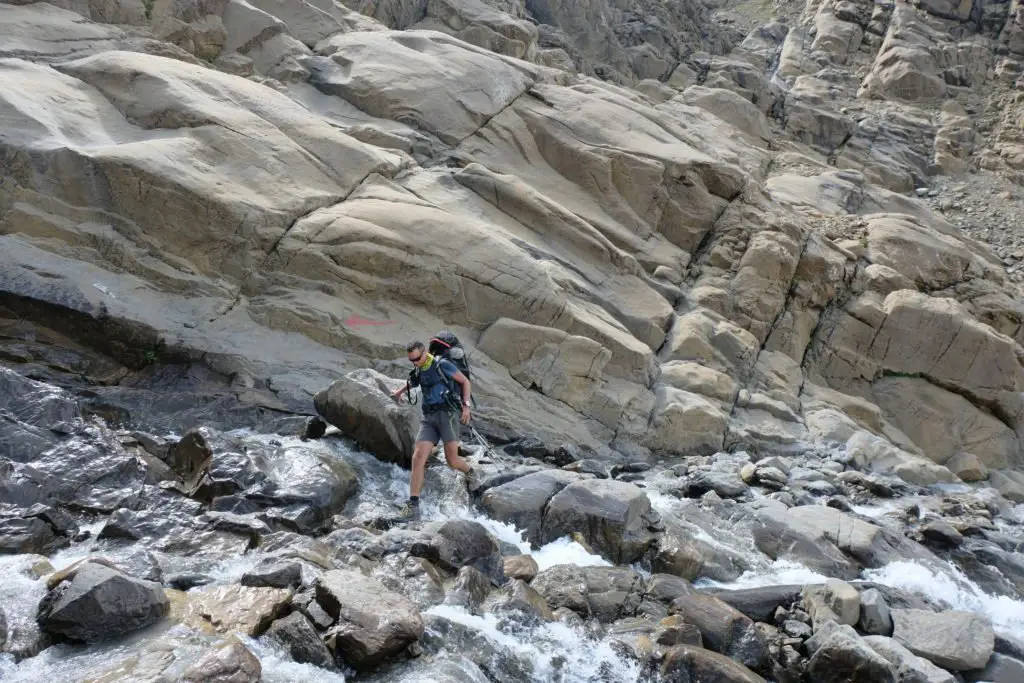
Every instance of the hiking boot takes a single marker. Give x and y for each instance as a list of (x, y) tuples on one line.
[(473, 479), (410, 511)]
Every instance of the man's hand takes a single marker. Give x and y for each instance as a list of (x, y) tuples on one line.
[(397, 394), (465, 415)]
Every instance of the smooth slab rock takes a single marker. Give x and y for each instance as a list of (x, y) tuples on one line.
[(612, 515), (384, 74), (99, 603), (957, 641), (909, 667), (372, 622)]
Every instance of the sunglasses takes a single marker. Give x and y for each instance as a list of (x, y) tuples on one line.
[(417, 359)]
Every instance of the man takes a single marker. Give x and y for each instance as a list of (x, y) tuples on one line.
[(434, 377)]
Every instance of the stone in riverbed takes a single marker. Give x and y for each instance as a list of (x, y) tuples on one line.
[(957, 641), (875, 618), (372, 622), (614, 517), (98, 603), (843, 658)]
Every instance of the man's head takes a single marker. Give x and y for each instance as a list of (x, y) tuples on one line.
[(416, 352)]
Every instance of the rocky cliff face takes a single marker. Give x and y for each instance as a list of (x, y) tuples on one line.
[(760, 245)]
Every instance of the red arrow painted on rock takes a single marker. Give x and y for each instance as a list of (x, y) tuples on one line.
[(354, 320)]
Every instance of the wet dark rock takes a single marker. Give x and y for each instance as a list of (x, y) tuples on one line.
[(35, 404), (463, 543), (274, 575), (725, 484), (40, 530), (414, 577), (189, 458), (99, 603), (1012, 645), (687, 664), (90, 472), (314, 428), (665, 588), (521, 502), (760, 603), (372, 623), (229, 662), (154, 445), (298, 488), (301, 640), (682, 553), (941, 533), (614, 517), (518, 596), (724, 629), (604, 593), (842, 658), (137, 562), (184, 582), (875, 618), (470, 590), (1000, 669)]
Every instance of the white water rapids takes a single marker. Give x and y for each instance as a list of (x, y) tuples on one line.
[(559, 653)]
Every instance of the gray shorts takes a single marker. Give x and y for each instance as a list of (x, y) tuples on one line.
[(439, 424)]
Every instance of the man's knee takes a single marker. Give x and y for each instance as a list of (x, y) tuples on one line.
[(421, 452)]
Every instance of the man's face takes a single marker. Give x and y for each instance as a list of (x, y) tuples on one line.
[(417, 356)]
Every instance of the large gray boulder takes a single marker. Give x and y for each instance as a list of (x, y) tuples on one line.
[(360, 406), (372, 623), (603, 593), (685, 663), (298, 637), (521, 502), (228, 662), (909, 667), (98, 603), (463, 543), (724, 629), (613, 516), (957, 641), (843, 658)]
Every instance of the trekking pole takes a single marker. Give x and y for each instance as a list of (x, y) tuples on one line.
[(480, 439)]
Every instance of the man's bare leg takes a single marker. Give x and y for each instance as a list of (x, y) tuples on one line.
[(419, 465), (455, 461)]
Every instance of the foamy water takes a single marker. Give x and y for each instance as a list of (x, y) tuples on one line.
[(558, 652), (953, 589)]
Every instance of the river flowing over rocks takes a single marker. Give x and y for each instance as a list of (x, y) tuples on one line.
[(739, 284)]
